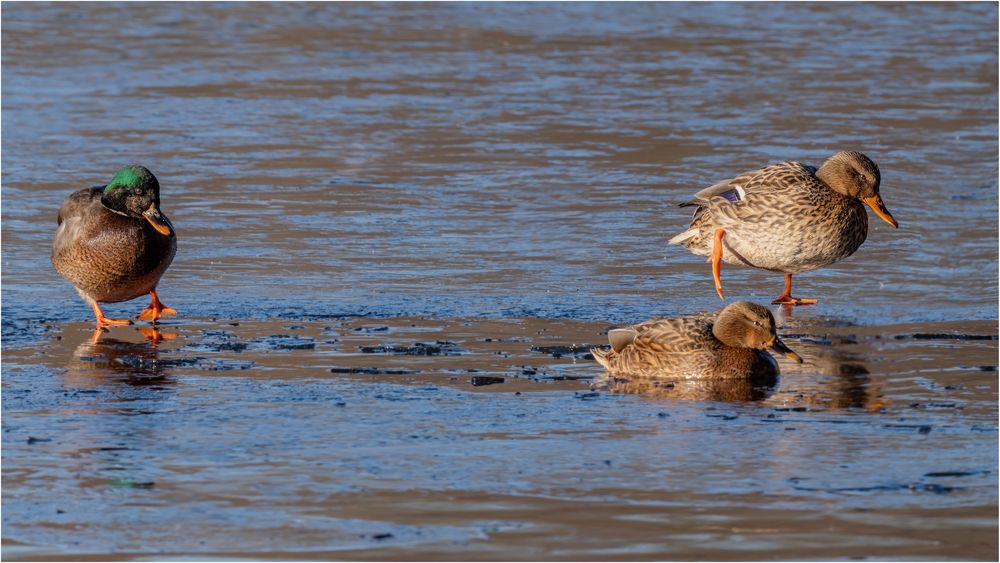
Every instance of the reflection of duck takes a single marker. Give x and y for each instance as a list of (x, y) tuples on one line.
[(730, 345), (787, 217), (113, 243), (99, 358), (830, 377), (746, 389)]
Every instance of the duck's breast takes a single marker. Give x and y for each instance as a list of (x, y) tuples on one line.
[(745, 362), (111, 257)]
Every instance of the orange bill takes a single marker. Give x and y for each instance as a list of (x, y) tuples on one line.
[(158, 221), (875, 202), (778, 346)]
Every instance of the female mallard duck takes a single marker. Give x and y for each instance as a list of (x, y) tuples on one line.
[(787, 218), (730, 345), (113, 243)]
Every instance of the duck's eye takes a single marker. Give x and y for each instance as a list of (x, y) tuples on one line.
[(136, 192)]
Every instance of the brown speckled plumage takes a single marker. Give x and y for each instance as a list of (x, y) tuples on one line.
[(111, 255), (728, 345), (108, 256), (790, 218)]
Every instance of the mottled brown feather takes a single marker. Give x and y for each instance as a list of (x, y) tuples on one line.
[(687, 347), (108, 256), (789, 221)]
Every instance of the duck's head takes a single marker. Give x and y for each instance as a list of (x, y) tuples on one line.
[(747, 325), (135, 192), (855, 175)]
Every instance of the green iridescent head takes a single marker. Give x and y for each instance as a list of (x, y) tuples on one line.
[(135, 192)]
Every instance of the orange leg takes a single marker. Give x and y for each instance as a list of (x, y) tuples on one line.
[(786, 296), (155, 310), (716, 260), (104, 321)]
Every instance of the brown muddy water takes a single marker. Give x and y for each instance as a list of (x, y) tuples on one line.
[(402, 225)]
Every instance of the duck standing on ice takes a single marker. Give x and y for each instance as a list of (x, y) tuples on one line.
[(113, 243), (786, 218)]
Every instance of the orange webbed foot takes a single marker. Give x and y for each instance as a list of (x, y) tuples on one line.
[(786, 296), (152, 314), (793, 301), (105, 321), (156, 309)]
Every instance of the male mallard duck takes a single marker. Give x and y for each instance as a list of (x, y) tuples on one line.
[(113, 243), (787, 217), (730, 345)]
